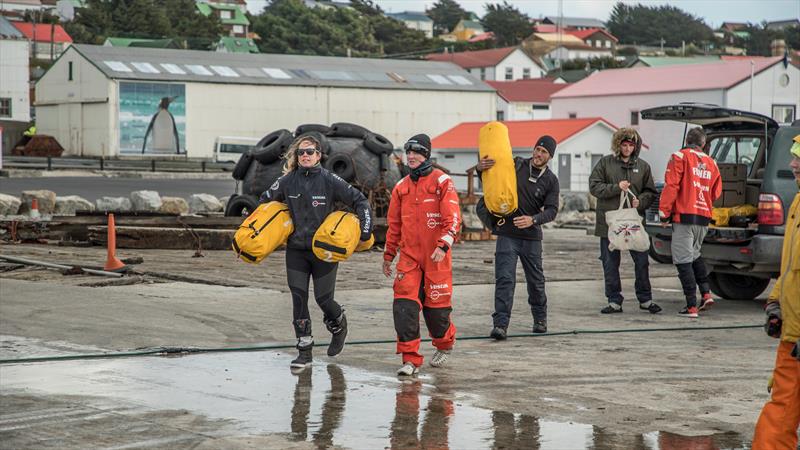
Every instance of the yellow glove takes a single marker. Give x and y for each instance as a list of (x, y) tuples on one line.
[(770, 383)]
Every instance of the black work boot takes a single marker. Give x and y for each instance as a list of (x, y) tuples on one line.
[(540, 326), (305, 343), (338, 329), (499, 333)]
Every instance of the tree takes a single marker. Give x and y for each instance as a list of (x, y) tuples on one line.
[(445, 15), (199, 31), (648, 25), (392, 35), (760, 40), (509, 25)]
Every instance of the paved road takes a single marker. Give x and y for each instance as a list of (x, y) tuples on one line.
[(91, 188)]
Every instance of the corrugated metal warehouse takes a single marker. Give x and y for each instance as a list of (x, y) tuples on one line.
[(110, 101)]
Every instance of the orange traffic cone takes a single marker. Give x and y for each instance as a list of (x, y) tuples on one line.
[(113, 264), (35, 209)]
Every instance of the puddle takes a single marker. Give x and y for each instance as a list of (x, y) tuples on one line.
[(329, 405)]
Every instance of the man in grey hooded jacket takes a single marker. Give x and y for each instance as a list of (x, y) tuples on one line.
[(623, 171)]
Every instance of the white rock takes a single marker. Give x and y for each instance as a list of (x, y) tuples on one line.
[(122, 204), (68, 205), (46, 200), (148, 201), (9, 205), (204, 203), (224, 201), (174, 205)]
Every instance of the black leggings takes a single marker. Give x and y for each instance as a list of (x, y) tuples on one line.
[(300, 266)]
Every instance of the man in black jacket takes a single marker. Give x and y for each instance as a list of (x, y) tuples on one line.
[(620, 171), (520, 236)]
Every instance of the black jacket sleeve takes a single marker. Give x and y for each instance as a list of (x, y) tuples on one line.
[(649, 192), (550, 208), (276, 192), (347, 194), (598, 184)]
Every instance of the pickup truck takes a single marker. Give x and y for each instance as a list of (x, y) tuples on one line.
[(741, 259)]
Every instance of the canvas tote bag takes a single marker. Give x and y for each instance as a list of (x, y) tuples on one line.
[(625, 229)]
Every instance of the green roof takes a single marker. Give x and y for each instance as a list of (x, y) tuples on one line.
[(742, 34), (238, 45), (237, 16), (140, 42), (659, 61), (473, 24)]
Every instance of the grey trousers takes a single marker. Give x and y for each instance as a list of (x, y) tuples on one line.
[(686, 242)]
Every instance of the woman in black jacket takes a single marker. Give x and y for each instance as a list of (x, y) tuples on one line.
[(311, 193)]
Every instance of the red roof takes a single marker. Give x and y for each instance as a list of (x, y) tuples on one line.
[(522, 133), (677, 78), (535, 90), (583, 34), (741, 57), (43, 32), (477, 58), (481, 37)]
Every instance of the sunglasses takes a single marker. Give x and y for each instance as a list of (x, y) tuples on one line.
[(307, 151), (416, 148)]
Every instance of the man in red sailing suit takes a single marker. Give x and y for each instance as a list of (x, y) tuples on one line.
[(424, 219)]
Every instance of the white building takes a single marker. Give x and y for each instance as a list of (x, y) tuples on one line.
[(581, 143), (415, 20), (497, 64), (525, 99), (15, 105), (99, 101), (20, 6), (619, 95)]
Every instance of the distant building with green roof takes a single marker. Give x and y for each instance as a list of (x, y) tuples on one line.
[(229, 44), (140, 42), (233, 19), (659, 61)]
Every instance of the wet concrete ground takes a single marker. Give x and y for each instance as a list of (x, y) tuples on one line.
[(227, 398), (640, 390)]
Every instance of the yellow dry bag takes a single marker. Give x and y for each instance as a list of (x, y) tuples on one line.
[(266, 229), (500, 181), (337, 238)]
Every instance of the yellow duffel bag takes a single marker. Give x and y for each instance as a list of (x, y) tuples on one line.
[(500, 181), (338, 237), (266, 229)]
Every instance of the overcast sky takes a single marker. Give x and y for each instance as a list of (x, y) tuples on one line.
[(714, 12)]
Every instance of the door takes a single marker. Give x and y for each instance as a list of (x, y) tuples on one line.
[(564, 171)]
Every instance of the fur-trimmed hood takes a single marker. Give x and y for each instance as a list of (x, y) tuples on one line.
[(626, 134)]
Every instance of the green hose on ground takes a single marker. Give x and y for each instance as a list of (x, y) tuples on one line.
[(165, 351)]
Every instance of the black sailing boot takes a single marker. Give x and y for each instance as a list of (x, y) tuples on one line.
[(338, 329), (305, 343)]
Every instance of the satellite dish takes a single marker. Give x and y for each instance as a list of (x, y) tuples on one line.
[(65, 10)]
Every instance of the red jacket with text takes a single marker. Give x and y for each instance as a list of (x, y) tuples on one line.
[(691, 185)]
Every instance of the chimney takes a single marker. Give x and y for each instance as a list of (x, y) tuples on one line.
[(777, 47)]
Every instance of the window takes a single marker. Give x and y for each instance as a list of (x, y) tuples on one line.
[(526, 73), (598, 43), (460, 80), (5, 107), (732, 149), (69, 71), (332, 75), (225, 15), (449, 156), (144, 67), (634, 117), (509, 73), (117, 66), (541, 107), (225, 71), (238, 29), (573, 115), (251, 72), (783, 113), (276, 73), (439, 79), (483, 73), (173, 69), (608, 44), (501, 115), (199, 70)]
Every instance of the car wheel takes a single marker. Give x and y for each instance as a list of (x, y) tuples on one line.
[(737, 287), (241, 206), (661, 259)]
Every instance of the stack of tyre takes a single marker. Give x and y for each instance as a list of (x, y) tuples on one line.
[(353, 152)]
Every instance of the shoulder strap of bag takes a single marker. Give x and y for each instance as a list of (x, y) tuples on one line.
[(625, 200)]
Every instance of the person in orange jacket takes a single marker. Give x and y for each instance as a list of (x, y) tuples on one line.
[(424, 219), (779, 421), (691, 185)]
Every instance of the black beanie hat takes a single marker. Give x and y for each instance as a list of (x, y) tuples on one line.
[(421, 144), (548, 143)]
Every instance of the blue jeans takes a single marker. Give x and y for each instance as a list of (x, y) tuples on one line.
[(641, 269), (507, 251)]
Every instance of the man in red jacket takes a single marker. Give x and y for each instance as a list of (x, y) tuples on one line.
[(692, 183), (423, 219)]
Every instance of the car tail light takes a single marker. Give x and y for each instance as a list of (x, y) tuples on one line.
[(770, 210)]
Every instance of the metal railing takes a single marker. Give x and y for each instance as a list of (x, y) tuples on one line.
[(141, 165)]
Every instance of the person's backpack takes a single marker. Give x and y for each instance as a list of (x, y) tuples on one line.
[(499, 181), (625, 229), (266, 229), (338, 237)]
